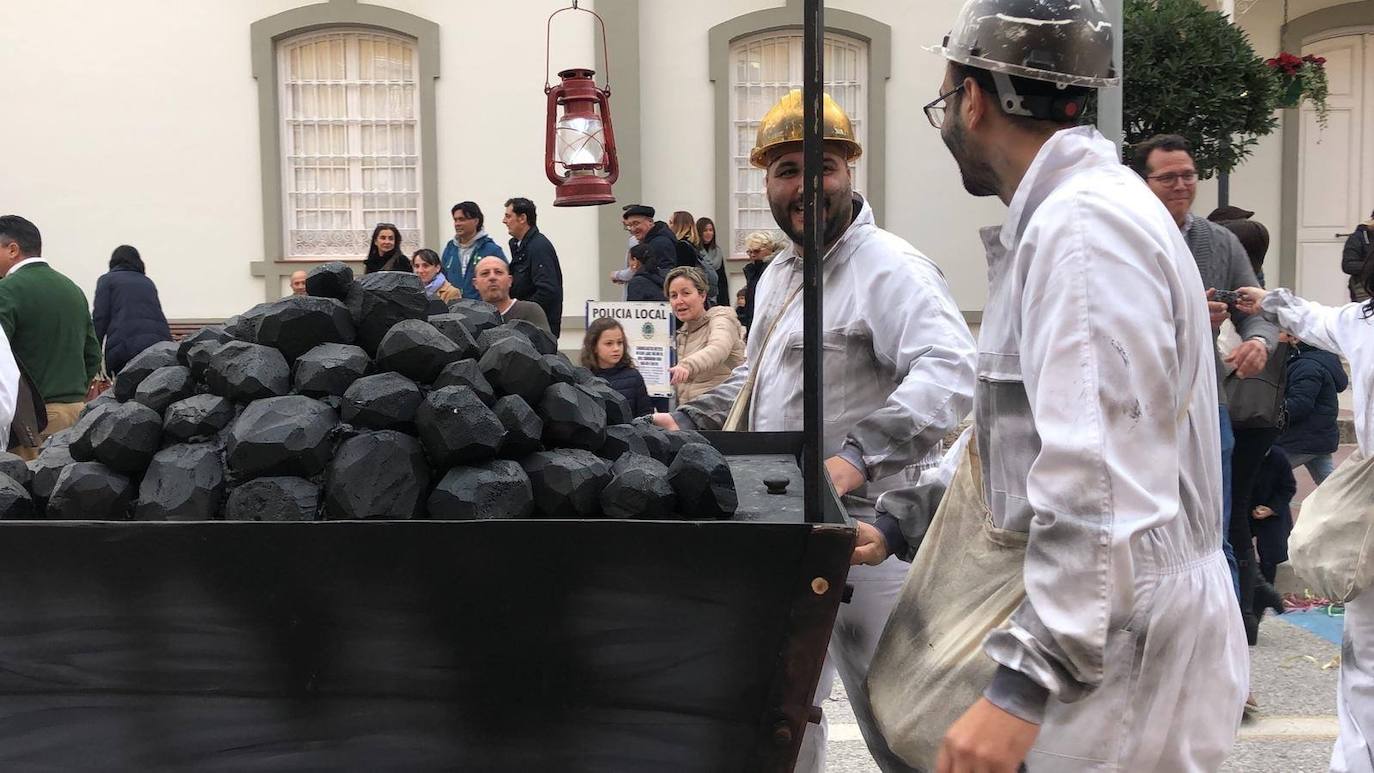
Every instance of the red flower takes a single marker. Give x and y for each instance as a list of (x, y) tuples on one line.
[(1286, 62)]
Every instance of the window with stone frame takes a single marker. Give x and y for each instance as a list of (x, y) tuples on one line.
[(763, 68), (350, 139)]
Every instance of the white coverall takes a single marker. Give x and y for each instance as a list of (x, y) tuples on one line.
[(1096, 412), (1345, 331), (9, 386), (898, 376)]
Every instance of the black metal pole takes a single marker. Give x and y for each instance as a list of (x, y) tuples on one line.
[(813, 74)]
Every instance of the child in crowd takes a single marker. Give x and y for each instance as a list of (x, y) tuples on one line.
[(604, 353), (1271, 521), (646, 283)]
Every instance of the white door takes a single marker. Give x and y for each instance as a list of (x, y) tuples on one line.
[(1335, 191)]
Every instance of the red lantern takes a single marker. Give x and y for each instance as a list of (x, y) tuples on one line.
[(579, 144)]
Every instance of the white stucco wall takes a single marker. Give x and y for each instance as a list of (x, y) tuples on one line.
[(142, 128)]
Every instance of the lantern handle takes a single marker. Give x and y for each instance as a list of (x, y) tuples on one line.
[(605, 49)]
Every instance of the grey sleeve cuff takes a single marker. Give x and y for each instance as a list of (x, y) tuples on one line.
[(1016, 694), (892, 533), (683, 420), (854, 455)]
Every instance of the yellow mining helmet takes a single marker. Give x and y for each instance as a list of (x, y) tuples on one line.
[(782, 126)]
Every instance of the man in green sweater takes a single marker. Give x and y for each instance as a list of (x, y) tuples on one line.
[(48, 322)]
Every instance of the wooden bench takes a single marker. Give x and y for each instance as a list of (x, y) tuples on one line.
[(184, 327)]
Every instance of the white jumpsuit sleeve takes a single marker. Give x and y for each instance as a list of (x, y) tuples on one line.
[(9, 386)]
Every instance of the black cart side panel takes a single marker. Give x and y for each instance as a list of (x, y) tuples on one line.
[(539, 645)]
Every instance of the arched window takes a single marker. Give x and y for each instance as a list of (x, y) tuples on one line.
[(350, 140), (763, 68)]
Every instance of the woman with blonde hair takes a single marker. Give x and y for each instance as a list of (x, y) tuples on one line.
[(710, 342), (684, 227)]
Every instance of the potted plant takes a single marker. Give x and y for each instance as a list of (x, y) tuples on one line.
[(1301, 78)]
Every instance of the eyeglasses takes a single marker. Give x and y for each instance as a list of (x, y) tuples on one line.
[(755, 252), (935, 112), (1168, 180)]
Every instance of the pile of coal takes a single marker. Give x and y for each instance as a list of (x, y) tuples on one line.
[(357, 401)]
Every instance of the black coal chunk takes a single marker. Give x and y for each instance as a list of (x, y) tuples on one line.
[(329, 369), (515, 368), (491, 336), (244, 372), (16, 502), (183, 483), (583, 376), (200, 354), (165, 386), (477, 316), (497, 489), (639, 489), (456, 330), (81, 432), (108, 396), (377, 475), (572, 418), (656, 438), (244, 327), (543, 340), (567, 483), (273, 499), (383, 401), (524, 428), (456, 427), (560, 369), (701, 477), (417, 350), (331, 280), (90, 491), (466, 373), (622, 439), (159, 355), (615, 405), (381, 299), (196, 418), (211, 333), (16, 468), (124, 437), (46, 469), (296, 324), (281, 436), (676, 440)]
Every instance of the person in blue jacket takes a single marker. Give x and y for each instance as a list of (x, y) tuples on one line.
[(128, 315), (470, 243), (1315, 378)]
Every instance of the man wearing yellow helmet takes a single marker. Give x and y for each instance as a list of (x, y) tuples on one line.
[(898, 375), (1095, 414)]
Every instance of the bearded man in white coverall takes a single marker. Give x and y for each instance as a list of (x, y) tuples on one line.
[(898, 375), (1095, 416)]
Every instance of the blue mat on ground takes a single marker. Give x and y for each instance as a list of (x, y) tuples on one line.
[(1317, 621)]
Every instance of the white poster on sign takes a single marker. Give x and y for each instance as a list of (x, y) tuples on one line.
[(648, 336)]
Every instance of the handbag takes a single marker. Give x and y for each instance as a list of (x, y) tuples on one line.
[(1331, 546), (102, 380), (966, 581), (1257, 402)]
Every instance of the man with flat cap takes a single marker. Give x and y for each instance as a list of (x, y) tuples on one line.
[(639, 221)]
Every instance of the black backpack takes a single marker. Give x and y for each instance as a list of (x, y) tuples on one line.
[(687, 254)]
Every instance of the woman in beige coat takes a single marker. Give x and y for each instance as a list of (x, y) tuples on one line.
[(710, 342)]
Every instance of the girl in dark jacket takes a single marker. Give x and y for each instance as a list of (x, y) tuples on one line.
[(605, 354), (128, 315), (646, 283), (1311, 435), (385, 253)]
